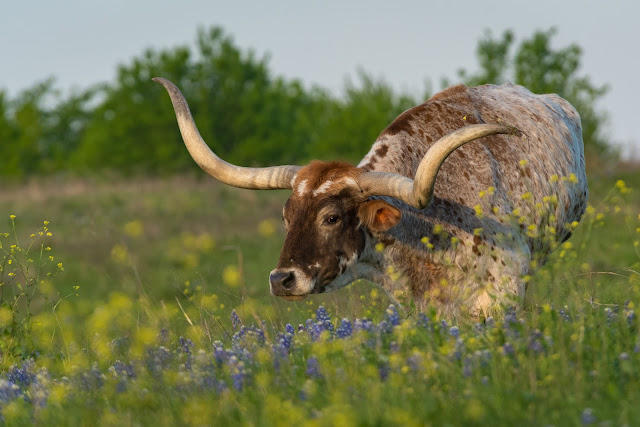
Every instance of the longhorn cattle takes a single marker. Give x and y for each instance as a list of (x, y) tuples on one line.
[(464, 242)]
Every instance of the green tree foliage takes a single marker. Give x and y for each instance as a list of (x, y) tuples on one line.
[(356, 120), (245, 113), (539, 67)]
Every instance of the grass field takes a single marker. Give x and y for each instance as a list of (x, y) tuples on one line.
[(160, 313)]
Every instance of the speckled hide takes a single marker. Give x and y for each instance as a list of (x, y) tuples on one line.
[(502, 203)]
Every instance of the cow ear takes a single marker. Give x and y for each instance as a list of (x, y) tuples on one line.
[(378, 215)]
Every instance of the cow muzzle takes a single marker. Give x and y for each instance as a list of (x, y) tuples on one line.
[(290, 284)]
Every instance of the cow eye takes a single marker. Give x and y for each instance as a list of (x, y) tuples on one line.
[(333, 219)]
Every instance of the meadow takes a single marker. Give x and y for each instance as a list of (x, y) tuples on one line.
[(145, 301)]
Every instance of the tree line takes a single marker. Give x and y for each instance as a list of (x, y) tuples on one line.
[(248, 115)]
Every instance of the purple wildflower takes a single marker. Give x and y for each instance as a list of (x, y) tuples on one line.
[(314, 329), (323, 318), (158, 359), (425, 322), (414, 362), (8, 391), (289, 329), (185, 345), (508, 350), (611, 315), (313, 367), (392, 315), (124, 369), (454, 331), (22, 376), (489, 322), (467, 367), (384, 327), (383, 371), (235, 320), (363, 325), (535, 343), (565, 316), (219, 353), (631, 315), (344, 330), (444, 326)]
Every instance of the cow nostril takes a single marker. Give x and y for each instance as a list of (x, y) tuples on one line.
[(284, 279)]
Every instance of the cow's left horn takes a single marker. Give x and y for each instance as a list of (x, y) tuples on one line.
[(418, 192), (271, 178)]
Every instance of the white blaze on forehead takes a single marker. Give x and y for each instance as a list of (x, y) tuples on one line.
[(302, 188), (323, 188), (327, 184)]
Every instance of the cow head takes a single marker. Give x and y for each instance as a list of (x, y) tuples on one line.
[(325, 218), (330, 206)]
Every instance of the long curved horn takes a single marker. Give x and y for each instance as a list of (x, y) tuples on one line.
[(270, 178), (418, 192)]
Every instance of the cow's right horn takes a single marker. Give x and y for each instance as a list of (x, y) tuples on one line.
[(270, 178)]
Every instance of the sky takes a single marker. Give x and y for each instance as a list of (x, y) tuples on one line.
[(407, 43)]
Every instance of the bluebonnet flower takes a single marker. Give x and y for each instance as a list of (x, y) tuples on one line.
[(392, 315), (289, 329), (364, 325), (158, 359), (8, 391), (425, 322), (534, 342), (444, 326), (185, 345), (323, 318), (92, 379), (313, 367), (489, 322), (314, 329), (219, 353), (124, 369), (631, 315), (508, 349), (22, 376), (286, 340), (564, 314), (414, 362), (467, 368), (384, 327), (383, 371), (235, 319), (587, 417), (454, 331), (163, 337), (238, 372), (611, 315), (344, 330)]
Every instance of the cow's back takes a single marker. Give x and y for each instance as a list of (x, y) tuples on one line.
[(521, 169)]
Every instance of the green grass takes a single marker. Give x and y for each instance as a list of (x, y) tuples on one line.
[(152, 263)]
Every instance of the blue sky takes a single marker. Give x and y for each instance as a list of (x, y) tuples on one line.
[(80, 42)]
